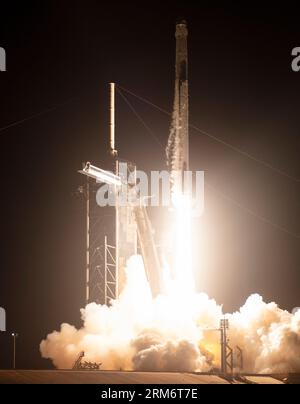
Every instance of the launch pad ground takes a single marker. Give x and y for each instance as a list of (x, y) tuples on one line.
[(122, 377)]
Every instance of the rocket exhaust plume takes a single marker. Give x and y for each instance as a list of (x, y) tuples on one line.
[(138, 332)]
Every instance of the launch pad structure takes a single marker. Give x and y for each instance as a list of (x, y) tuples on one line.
[(105, 263)]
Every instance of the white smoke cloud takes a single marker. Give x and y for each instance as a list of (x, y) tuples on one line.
[(175, 333), (271, 336), (154, 355)]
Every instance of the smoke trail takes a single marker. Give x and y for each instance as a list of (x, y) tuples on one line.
[(167, 333), (172, 142), (174, 146)]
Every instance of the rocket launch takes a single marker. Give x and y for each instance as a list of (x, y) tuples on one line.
[(177, 330), (178, 144), (178, 163)]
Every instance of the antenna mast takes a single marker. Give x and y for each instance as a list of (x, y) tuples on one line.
[(113, 151)]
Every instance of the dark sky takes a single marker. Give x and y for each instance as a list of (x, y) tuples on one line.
[(242, 90)]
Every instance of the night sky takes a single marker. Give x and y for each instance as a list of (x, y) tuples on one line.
[(60, 58)]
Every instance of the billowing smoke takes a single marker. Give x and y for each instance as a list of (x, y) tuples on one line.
[(175, 333), (153, 353)]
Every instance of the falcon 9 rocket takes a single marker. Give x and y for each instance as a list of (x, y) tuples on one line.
[(178, 143)]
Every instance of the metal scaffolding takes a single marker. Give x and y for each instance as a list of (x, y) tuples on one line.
[(110, 273), (100, 269), (94, 290), (105, 265), (226, 350)]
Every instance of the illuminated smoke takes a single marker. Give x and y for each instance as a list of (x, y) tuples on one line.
[(170, 333), (174, 148)]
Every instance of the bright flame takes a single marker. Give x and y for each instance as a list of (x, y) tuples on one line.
[(183, 242)]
